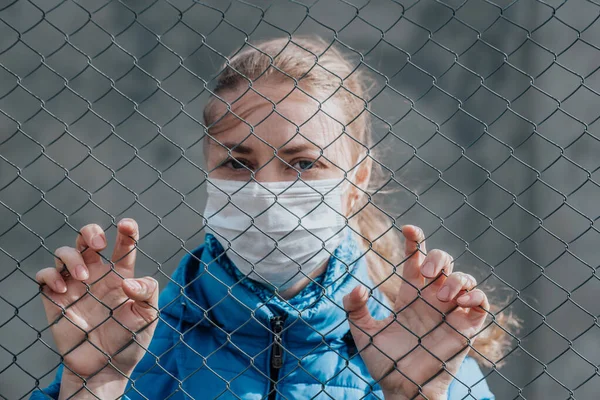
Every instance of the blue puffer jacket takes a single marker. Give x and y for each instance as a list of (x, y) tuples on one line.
[(215, 339)]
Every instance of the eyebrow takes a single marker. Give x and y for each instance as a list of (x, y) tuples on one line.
[(233, 146), (289, 150), (286, 150)]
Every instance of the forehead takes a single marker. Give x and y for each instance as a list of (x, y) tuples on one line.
[(275, 115)]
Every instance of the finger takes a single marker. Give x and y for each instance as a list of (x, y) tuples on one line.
[(125, 246), (52, 283), (144, 292), (435, 262), (359, 316), (90, 241), (454, 284), (73, 260), (476, 300), (51, 278), (414, 252)]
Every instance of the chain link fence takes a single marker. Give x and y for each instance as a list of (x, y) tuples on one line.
[(485, 114)]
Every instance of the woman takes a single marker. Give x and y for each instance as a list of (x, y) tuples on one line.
[(301, 289)]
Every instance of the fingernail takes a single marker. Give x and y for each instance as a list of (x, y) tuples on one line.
[(60, 286), (98, 241), (428, 269), (133, 285), (81, 272), (444, 293), (464, 298), (363, 292), (126, 223)]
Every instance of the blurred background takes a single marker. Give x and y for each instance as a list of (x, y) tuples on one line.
[(487, 115)]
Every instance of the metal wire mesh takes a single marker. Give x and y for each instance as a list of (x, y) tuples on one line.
[(485, 114)]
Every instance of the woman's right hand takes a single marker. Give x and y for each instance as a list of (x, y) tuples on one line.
[(99, 313)]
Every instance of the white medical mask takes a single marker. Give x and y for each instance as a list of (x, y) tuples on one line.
[(273, 230)]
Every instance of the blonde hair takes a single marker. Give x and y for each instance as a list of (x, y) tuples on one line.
[(324, 73)]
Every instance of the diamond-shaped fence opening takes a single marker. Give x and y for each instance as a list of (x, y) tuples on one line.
[(272, 154)]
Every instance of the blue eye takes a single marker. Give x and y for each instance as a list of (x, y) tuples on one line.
[(238, 164), (304, 165)]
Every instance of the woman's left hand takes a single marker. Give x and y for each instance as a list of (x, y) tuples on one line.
[(404, 351)]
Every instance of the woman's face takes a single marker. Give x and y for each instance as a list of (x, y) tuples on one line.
[(307, 140)]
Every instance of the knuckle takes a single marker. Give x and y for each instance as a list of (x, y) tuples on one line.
[(126, 240), (151, 283), (458, 278), (127, 236), (151, 316), (39, 276), (436, 253), (44, 275), (151, 279), (62, 251)]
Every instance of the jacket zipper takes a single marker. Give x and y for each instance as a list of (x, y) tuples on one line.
[(277, 323)]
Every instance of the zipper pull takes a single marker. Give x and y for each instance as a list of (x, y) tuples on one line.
[(277, 353)]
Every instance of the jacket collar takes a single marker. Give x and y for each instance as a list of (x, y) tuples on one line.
[(207, 290)]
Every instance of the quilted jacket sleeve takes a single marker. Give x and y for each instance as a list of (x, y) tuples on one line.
[(156, 376), (53, 390), (156, 370)]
